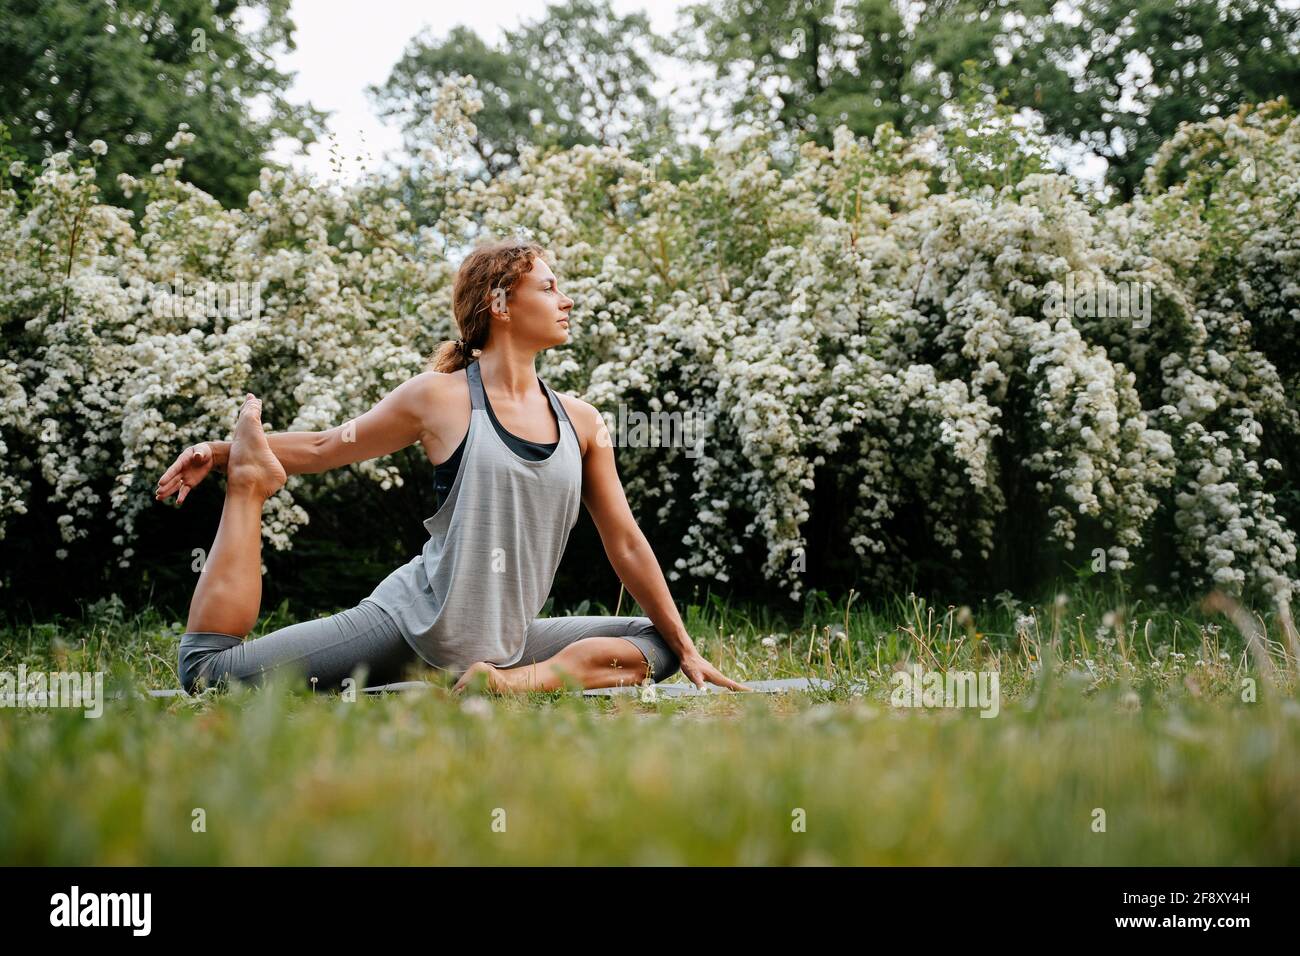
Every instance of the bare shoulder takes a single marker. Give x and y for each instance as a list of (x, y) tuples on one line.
[(587, 421), (436, 389), (441, 401), (414, 394), (431, 382)]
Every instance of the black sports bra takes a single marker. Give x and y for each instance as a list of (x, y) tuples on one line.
[(444, 474)]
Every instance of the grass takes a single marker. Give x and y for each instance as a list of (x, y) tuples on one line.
[(1108, 706)]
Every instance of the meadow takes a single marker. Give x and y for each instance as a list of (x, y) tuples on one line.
[(1128, 733)]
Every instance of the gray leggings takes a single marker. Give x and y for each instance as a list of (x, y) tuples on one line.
[(333, 648)]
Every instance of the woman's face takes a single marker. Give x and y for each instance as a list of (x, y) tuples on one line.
[(537, 310)]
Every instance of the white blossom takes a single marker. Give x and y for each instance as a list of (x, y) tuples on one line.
[(841, 322)]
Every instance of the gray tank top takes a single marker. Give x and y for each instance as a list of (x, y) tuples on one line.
[(494, 546)]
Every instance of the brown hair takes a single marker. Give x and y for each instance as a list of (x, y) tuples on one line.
[(491, 266)]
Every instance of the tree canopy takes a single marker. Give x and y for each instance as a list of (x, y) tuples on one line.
[(131, 72)]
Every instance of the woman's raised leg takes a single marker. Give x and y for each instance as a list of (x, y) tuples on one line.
[(228, 596), (362, 642)]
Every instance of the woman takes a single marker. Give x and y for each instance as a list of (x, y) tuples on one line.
[(515, 460)]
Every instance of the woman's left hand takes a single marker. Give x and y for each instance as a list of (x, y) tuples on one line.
[(189, 468), (698, 670)]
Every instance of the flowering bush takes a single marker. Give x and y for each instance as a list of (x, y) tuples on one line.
[(872, 330)]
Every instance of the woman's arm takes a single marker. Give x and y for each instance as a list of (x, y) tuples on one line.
[(296, 451), (396, 421), (630, 553)]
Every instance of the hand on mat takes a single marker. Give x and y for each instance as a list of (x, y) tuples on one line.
[(697, 670), (191, 467)]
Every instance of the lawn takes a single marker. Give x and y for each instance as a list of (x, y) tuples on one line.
[(1122, 737)]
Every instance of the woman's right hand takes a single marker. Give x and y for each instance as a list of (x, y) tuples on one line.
[(191, 467)]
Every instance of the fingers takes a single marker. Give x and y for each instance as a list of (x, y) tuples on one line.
[(716, 677), (168, 486), (170, 474), (163, 492), (172, 470), (735, 686), (173, 477), (727, 682)]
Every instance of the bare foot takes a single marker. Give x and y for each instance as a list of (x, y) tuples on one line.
[(252, 465), (494, 679)]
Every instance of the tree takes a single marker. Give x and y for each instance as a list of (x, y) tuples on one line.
[(577, 75), (807, 65), (1147, 66), (130, 72), (1115, 78)]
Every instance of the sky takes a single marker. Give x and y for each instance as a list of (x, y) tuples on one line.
[(340, 53)]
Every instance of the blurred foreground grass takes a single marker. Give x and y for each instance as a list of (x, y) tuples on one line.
[(1147, 725)]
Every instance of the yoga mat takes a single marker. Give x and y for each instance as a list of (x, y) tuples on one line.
[(685, 689), (784, 685)]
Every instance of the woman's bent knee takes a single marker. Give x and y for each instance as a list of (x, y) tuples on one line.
[(197, 657), (661, 659)]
